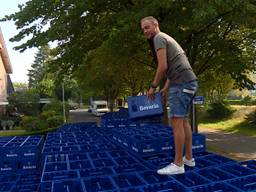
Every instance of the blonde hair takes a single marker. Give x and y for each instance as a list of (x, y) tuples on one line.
[(149, 18)]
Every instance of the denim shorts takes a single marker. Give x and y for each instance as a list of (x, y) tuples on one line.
[(180, 98)]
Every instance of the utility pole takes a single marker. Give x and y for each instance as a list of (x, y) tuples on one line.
[(63, 103)]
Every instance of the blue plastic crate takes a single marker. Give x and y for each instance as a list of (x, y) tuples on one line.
[(70, 149), (52, 150), (68, 186), (144, 145), (215, 187), (9, 152), (99, 184), (198, 143), (171, 186), (32, 147), (107, 162), (128, 180), (118, 153), (96, 172), (191, 179), (237, 170), (5, 139), (77, 156), (8, 166), (151, 177), (218, 159), (202, 162), (9, 178), (87, 148), (45, 186), (250, 163), (202, 154), (215, 174), (29, 179), (28, 165), (129, 160), (56, 158), (6, 187), (247, 183), (140, 106), (166, 144), (59, 175), (157, 161), (129, 168), (58, 166), (81, 164), (106, 146), (26, 188)]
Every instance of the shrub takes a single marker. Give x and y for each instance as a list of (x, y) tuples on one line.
[(220, 110), (55, 121), (26, 101), (251, 118), (57, 107), (46, 114), (33, 123)]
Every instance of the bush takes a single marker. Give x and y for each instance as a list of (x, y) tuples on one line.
[(33, 123), (251, 118), (46, 114), (57, 107), (55, 121), (26, 101), (220, 111)]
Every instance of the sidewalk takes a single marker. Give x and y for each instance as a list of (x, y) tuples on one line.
[(229, 144)]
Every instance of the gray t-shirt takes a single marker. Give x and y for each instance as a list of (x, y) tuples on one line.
[(179, 69)]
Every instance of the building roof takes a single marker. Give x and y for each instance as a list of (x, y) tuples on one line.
[(4, 54)]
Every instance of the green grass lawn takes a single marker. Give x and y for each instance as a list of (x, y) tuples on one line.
[(25, 133), (236, 124)]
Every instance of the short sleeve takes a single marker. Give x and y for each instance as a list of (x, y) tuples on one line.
[(160, 42)]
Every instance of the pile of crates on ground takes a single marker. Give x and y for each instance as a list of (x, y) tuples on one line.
[(120, 155), (20, 159)]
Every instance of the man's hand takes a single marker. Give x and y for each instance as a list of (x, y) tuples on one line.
[(151, 93)]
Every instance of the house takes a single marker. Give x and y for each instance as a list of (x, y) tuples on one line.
[(6, 87)]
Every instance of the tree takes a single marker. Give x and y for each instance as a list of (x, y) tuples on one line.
[(26, 102), (38, 77), (20, 86), (217, 35)]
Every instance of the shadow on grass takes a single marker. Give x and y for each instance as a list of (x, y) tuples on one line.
[(243, 128), (210, 120)]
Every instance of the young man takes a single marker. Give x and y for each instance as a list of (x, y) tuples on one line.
[(182, 84)]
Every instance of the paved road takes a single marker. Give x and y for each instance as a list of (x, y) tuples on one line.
[(227, 144), (82, 115)]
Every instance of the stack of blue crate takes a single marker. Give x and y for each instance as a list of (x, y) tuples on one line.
[(15, 182), (82, 158), (144, 139), (20, 154)]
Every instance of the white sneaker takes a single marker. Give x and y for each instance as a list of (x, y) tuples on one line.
[(190, 163), (171, 169)]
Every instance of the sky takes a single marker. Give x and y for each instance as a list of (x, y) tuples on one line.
[(20, 62)]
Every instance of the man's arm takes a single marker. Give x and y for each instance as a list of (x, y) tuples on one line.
[(160, 72), (162, 66)]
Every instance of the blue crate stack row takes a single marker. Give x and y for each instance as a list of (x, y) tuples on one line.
[(20, 166), (123, 155), (20, 154)]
